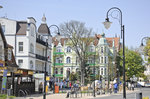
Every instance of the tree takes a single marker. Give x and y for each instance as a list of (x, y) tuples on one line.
[(79, 37), (73, 76), (133, 63), (147, 50)]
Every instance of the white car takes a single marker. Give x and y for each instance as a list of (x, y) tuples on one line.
[(141, 84), (147, 84)]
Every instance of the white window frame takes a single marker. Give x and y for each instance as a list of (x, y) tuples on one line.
[(20, 47), (68, 60), (20, 63), (68, 49)]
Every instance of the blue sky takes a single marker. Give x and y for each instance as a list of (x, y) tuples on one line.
[(136, 16)]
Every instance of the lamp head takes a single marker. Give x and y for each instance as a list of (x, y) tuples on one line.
[(58, 36), (142, 44), (107, 23)]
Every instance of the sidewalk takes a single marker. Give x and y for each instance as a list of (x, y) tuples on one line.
[(63, 96)]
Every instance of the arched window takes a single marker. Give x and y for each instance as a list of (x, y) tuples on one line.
[(105, 60), (102, 71), (58, 49), (68, 60), (61, 70), (56, 70), (31, 64), (31, 48), (101, 59), (105, 71), (91, 49), (102, 50), (68, 49)]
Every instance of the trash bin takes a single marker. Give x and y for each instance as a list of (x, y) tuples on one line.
[(56, 89), (139, 95)]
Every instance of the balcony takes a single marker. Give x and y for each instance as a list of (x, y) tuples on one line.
[(40, 40), (58, 64), (58, 75), (58, 53), (41, 57), (91, 53)]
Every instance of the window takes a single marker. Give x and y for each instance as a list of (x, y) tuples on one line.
[(58, 49), (68, 49), (105, 71), (9, 54), (68, 60), (20, 46), (101, 71), (20, 62), (91, 60), (105, 59), (101, 59), (31, 48), (102, 51), (58, 60), (3, 28), (61, 70), (91, 49), (105, 49), (56, 70), (31, 64)]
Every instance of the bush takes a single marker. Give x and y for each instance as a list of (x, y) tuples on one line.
[(4, 96)]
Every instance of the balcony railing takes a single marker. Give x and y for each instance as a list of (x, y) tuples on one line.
[(41, 57), (41, 40), (58, 64), (58, 75), (58, 53)]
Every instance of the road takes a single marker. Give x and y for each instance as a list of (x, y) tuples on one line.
[(145, 93)]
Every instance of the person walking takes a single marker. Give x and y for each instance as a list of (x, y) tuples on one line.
[(115, 87), (41, 87), (132, 86)]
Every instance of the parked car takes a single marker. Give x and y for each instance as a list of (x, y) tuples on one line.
[(140, 84), (147, 84)]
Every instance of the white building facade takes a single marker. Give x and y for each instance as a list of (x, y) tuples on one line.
[(30, 47)]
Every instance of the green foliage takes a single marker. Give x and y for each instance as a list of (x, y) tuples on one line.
[(147, 50), (133, 63), (4, 96), (73, 76)]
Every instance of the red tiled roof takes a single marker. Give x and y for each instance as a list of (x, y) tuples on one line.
[(95, 40)]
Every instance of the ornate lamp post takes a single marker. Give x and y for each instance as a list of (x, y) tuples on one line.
[(107, 24), (58, 37), (144, 38)]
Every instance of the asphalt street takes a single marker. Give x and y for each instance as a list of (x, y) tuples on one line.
[(145, 93)]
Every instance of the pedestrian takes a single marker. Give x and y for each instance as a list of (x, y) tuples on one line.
[(110, 88), (41, 87), (115, 87), (129, 86), (132, 86), (70, 85)]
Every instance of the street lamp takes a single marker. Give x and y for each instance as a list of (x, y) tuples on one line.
[(107, 24), (58, 37), (142, 41)]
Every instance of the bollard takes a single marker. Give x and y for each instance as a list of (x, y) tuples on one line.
[(145, 97), (139, 95)]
